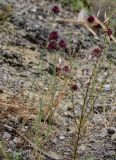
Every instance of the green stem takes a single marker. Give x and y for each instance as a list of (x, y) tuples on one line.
[(75, 155)]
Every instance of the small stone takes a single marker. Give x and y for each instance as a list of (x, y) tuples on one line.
[(27, 154), (69, 114), (9, 150), (1, 90), (111, 130), (107, 87), (26, 127), (98, 119), (113, 138), (33, 10), (103, 133), (66, 124), (62, 137), (82, 149), (105, 73), (112, 153), (23, 130), (14, 119), (16, 154), (71, 130), (12, 145), (54, 141), (40, 17), (17, 140), (67, 151), (92, 141), (6, 136)]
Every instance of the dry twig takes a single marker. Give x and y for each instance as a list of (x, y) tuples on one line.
[(84, 23), (75, 21), (104, 28)]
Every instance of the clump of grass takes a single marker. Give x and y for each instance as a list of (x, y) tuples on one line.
[(89, 100), (50, 99)]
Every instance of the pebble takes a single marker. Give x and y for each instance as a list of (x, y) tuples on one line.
[(62, 137), (16, 140), (67, 151), (71, 130), (98, 119), (111, 130), (66, 124), (107, 87), (113, 138), (69, 114), (6, 136), (33, 10), (26, 127), (12, 145), (40, 17), (14, 119), (54, 141), (23, 130), (92, 141), (103, 133), (27, 154)]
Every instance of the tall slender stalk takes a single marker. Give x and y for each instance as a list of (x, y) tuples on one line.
[(80, 126)]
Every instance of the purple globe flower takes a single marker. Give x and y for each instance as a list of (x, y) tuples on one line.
[(66, 69), (55, 9), (91, 19), (53, 36), (52, 45), (62, 44), (74, 87), (109, 32), (96, 52)]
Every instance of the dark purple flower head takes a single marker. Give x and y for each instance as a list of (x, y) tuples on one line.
[(62, 44), (53, 36), (109, 32), (96, 52), (55, 9), (91, 19), (66, 69), (74, 87), (52, 45)]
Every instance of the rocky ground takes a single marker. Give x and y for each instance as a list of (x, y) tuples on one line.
[(23, 34)]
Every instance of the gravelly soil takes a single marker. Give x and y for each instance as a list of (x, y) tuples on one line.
[(22, 38)]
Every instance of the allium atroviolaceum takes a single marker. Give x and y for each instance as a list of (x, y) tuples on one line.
[(62, 44), (52, 46), (66, 68), (96, 52), (53, 36), (74, 87), (109, 32), (56, 9), (90, 19)]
